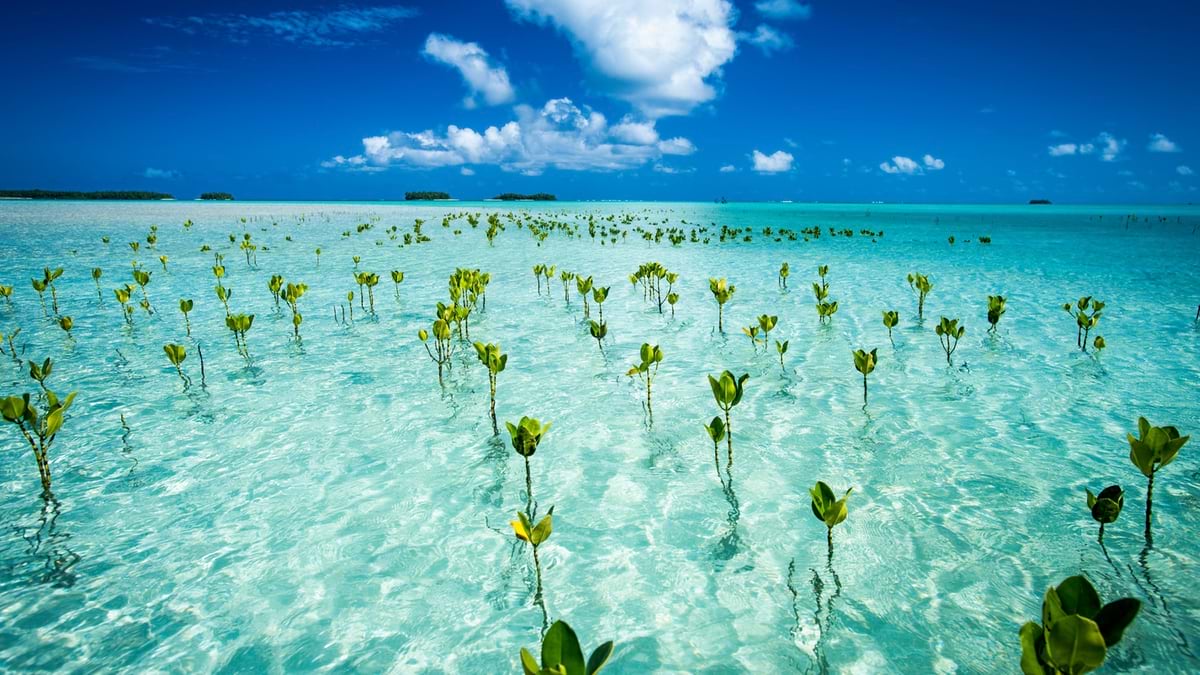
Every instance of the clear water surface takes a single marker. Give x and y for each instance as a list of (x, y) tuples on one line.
[(328, 507)]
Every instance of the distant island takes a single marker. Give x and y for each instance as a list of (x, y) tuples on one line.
[(1039, 201), (216, 196), (60, 194), (425, 196), (536, 197)]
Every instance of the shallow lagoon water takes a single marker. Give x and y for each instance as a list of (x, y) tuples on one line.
[(329, 507)]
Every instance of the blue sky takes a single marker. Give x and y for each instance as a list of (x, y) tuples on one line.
[(607, 99)]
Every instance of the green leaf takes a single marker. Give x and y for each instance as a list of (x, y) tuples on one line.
[(599, 658), (1074, 644), (1030, 663), (1091, 498), (1078, 596), (561, 647), (54, 422), (1115, 617), (528, 664)]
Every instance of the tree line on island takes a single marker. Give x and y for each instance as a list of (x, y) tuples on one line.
[(103, 194)]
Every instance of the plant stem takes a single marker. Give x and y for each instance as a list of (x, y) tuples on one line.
[(492, 383), (864, 390), (729, 437), (1149, 505), (528, 489)]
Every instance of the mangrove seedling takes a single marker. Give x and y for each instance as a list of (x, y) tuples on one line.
[(49, 276), (890, 320), (1154, 448), (123, 295), (442, 347), (996, 309), (6, 292), (40, 286), (526, 435), (599, 295), (534, 535), (318, 257), (96, 274), (727, 390), (562, 654), (864, 362), (598, 331), (767, 324), (11, 341), (350, 301), (1099, 344), (185, 306), (239, 325), (1076, 631), (223, 294), (1106, 506), (1087, 312), (291, 295), (66, 323), (397, 279), (275, 286), (716, 432), (827, 507), (495, 361), (949, 333), (584, 286), (672, 298), (921, 284), (176, 354), (651, 356), (751, 332), (537, 274), (162, 260), (142, 279), (37, 428), (784, 271), (371, 280), (722, 291), (826, 310), (781, 348)]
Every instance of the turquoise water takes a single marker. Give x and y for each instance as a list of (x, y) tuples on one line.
[(327, 506)]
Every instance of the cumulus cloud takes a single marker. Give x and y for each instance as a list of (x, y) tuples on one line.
[(728, 168), (770, 40), (1184, 170), (784, 9), (467, 171), (340, 27), (560, 134), (151, 172), (638, 133), (1109, 147), (482, 77), (1160, 143), (901, 165), (932, 163), (776, 162), (665, 57)]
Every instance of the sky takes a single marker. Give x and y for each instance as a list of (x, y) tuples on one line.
[(926, 101)]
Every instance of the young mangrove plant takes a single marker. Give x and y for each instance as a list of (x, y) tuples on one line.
[(49, 276), (1153, 449), (767, 324), (123, 294), (751, 332), (534, 535), (142, 279), (397, 279), (598, 331), (1099, 344), (1106, 506), (716, 432), (566, 278), (40, 286), (537, 274), (949, 333), (6, 293), (442, 350), (1076, 631), (584, 286), (38, 428), (781, 349), (11, 341), (891, 319), (727, 390), (526, 436), (784, 271), (828, 509), (275, 286), (291, 295), (1087, 312), (722, 291), (176, 354), (239, 325), (864, 362), (825, 308), (996, 309), (562, 654), (672, 298), (66, 323), (651, 356), (371, 280), (921, 284), (96, 274), (495, 361), (599, 295), (185, 306)]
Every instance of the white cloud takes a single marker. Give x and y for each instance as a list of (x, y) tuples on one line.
[(776, 162), (1011, 172), (784, 9), (638, 133), (339, 27), (151, 172), (663, 57), (1160, 143), (1064, 149), (770, 40), (560, 134), (932, 163), (467, 171), (728, 168), (481, 76), (672, 170), (1110, 146), (1184, 170), (901, 165)]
